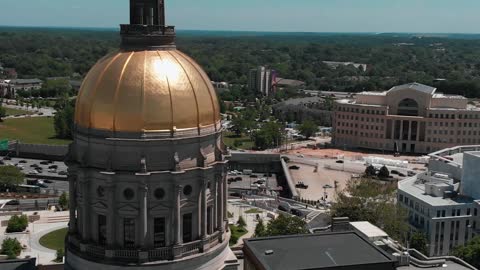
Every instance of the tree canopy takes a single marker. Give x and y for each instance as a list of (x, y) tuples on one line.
[(372, 201), (308, 128), (469, 252), (10, 176), (282, 225), (11, 247)]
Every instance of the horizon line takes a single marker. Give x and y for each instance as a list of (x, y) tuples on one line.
[(248, 31)]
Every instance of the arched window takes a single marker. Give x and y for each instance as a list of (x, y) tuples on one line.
[(408, 107)]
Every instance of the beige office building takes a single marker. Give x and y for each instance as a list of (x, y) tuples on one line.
[(410, 118)]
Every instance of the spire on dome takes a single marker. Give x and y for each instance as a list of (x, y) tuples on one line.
[(147, 27), (147, 12)]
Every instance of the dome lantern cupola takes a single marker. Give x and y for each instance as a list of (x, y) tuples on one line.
[(147, 27)]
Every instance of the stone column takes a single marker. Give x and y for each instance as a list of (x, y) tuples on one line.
[(177, 215), (111, 215), (73, 203), (177, 248), (143, 214), (393, 130), (401, 130), (220, 204), (409, 130), (84, 182), (225, 200), (216, 219), (204, 208), (418, 131)]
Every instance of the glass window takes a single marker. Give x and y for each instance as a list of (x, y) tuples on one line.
[(102, 230), (159, 232), (187, 228), (129, 232)]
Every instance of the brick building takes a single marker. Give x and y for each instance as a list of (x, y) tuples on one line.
[(410, 118)]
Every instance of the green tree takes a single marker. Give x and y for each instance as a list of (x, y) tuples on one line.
[(241, 222), (308, 128), (369, 200), (59, 255), (286, 225), (63, 121), (384, 172), (418, 241), (260, 229), (469, 252), (17, 224), (370, 171), (269, 136), (11, 247), (3, 113), (63, 201), (10, 176)]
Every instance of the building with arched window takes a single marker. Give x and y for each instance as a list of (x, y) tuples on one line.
[(410, 118), (147, 166)]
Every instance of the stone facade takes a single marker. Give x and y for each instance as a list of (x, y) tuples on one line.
[(146, 200), (409, 118)]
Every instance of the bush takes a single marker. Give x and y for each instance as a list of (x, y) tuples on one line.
[(63, 201), (233, 239), (11, 247), (59, 256), (241, 222), (17, 224)]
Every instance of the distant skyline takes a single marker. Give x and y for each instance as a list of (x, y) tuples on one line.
[(424, 16)]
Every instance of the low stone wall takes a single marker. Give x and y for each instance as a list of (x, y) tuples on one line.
[(19, 264), (37, 151)]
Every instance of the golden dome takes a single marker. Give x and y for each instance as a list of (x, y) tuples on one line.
[(147, 91)]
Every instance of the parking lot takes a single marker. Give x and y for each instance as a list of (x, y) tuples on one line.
[(254, 181), (29, 166)]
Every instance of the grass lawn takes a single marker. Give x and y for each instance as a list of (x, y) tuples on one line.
[(237, 232), (11, 111), (230, 138), (37, 130), (253, 211), (54, 240)]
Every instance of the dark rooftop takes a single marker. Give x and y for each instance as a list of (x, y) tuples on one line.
[(317, 251)]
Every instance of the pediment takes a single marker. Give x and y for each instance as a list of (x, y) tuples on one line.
[(128, 210)]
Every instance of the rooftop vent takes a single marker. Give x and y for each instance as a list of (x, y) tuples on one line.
[(268, 252)]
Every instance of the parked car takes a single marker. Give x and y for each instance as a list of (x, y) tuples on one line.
[(339, 161), (47, 181), (45, 162), (253, 176), (294, 167), (236, 179), (22, 161), (34, 165), (13, 202), (301, 185), (410, 173), (7, 158), (401, 175), (53, 167), (62, 173), (394, 172)]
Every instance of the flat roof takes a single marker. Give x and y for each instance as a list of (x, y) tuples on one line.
[(370, 230), (316, 251), (416, 189)]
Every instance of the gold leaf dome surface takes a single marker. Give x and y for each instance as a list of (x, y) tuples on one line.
[(147, 91)]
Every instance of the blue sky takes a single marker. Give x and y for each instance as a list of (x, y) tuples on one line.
[(452, 16)]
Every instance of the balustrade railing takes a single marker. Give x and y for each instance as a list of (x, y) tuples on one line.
[(160, 254), (191, 248)]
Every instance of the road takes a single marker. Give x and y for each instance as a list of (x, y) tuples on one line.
[(37, 112), (26, 165)]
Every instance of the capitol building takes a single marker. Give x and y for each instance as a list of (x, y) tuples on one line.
[(147, 168), (410, 118)]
